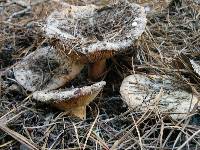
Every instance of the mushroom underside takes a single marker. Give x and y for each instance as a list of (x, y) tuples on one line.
[(76, 106), (97, 60), (97, 70), (83, 58)]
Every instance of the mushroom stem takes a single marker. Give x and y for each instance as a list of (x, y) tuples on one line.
[(79, 112), (97, 69)]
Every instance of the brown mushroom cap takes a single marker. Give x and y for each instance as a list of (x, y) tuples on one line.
[(45, 68), (139, 92), (74, 100), (95, 33)]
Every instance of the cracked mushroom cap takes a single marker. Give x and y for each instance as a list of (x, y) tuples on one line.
[(45, 68), (139, 92), (94, 33), (73, 100)]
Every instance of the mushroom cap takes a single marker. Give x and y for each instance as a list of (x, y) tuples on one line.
[(152, 6), (45, 68), (196, 66), (26, 3), (139, 92), (95, 33), (70, 98)]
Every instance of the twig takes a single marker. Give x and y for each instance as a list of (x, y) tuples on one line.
[(19, 137), (138, 132), (90, 131), (189, 139), (16, 14), (77, 137), (5, 144)]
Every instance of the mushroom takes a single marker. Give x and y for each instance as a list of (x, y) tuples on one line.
[(139, 92), (152, 6), (196, 66), (45, 68), (73, 100), (27, 3), (95, 33)]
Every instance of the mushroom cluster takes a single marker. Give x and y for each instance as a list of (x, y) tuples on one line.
[(78, 35)]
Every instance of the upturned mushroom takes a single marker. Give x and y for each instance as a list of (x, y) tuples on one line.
[(95, 33), (139, 92), (73, 100), (45, 68)]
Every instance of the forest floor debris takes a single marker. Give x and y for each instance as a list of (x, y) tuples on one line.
[(170, 42)]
